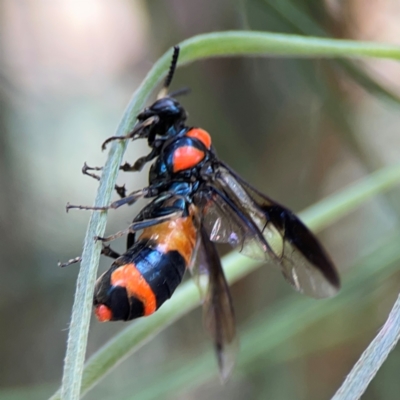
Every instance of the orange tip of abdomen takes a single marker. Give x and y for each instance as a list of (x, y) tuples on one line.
[(103, 313)]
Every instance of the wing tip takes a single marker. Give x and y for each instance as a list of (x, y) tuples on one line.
[(226, 356)]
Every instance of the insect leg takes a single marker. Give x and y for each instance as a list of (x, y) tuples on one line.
[(69, 262), (139, 225), (85, 170), (140, 162), (109, 252), (137, 132), (106, 251), (130, 199)]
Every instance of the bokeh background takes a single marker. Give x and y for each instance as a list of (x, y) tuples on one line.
[(298, 130)]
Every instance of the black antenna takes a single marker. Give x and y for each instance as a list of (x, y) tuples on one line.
[(172, 68), (180, 92)]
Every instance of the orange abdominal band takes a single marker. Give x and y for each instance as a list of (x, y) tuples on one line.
[(132, 280), (175, 235)]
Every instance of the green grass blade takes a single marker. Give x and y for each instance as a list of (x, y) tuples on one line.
[(323, 213), (82, 308), (297, 19), (373, 357), (261, 43)]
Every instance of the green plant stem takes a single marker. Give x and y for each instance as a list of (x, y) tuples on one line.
[(372, 358), (202, 46), (261, 43), (82, 308)]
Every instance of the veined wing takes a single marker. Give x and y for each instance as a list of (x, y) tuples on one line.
[(218, 313), (265, 230)]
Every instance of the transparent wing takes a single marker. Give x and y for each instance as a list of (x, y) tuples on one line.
[(218, 314), (303, 261), (231, 224)]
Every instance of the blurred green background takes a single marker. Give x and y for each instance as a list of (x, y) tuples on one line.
[(297, 129)]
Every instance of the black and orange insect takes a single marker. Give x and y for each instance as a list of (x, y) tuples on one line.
[(144, 277), (197, 201)]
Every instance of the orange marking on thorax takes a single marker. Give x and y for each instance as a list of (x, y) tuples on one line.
[(178, 234), (201, 135), (130, 278), (186, 157)]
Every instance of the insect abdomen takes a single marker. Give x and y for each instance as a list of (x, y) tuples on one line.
[(143, 278)]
